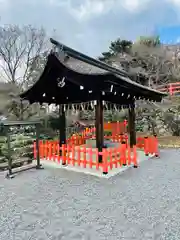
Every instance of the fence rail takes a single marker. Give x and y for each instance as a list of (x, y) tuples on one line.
[(170, 88), (114, 127), (88, 157)]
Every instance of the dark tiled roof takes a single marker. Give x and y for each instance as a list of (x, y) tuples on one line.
[(83, 67), (82, 70), (79, 66)]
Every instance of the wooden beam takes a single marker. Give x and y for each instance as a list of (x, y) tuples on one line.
[(131, 126), (62, 126), (99, 127)]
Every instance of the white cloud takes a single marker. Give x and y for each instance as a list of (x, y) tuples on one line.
[(90, 25), (176, 2), (135, 5), (91, 8)]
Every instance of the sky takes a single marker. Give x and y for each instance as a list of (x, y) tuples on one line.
[(90, 25), (169, 35)]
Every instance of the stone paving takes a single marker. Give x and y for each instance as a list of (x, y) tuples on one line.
[(55, 204)]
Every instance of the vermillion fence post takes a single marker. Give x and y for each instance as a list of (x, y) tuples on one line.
[(135, 157), (63, 154), (73, 141), (84, 157), (77, 140), (83, 140), (126, 139), (116, 157), (129, 155), (170, 89), (151, 145), (34, 150), (80, 141), (41, 149), (54, 151), (121, 137), (58, 152), (105, 163), (45, 150), (97, 159), (123, 152), (73, 155), (119, 158), (111, 157), (68, 151), (90, 157), (78, 149), (156, 150), (146, 146), (50, 150)]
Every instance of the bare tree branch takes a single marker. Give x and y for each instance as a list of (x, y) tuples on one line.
[(157, 63), (19, 47), (21, 52)]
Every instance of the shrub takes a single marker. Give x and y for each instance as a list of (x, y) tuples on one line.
[(21, 146), (172, 123)]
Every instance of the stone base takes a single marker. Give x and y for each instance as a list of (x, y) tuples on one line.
[(93, 171)]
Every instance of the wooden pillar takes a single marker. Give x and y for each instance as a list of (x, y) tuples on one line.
[(99, 127), (9, 153), (62, 126), (37, 146), (131, 126)]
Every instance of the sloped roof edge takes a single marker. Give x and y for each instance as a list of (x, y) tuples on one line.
[(119, 73), (120, 79)]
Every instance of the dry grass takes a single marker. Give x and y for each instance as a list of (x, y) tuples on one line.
[(169, 141)]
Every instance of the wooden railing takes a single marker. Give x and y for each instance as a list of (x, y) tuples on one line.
[(170, 88), (85, 156)]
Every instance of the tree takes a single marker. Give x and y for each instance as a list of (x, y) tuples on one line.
[(19, 49), (22, 54), (151, 41), (116, 47), (161, 63), (120, 46), (147, 60)]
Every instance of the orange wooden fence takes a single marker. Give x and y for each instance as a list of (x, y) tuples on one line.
[(170, 88), (78, 140), (113, 127), (116, 127), (89, 157), (148, 144)]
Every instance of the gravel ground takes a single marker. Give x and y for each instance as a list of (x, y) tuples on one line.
[(56, 204)]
